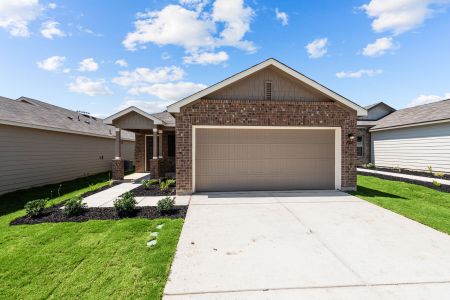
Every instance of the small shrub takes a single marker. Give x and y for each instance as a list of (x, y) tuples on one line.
[(430, 169), (436, 183), (439, 174), (148, 183), (74, 206), (166, 204), (164, 185), (369, 166), (34, 208), (398, 169), (125, 204)]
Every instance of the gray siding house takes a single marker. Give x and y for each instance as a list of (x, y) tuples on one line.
[(43, 144), (411, 138)]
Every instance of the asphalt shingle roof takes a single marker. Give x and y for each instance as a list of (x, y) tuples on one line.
[(33, 112), (165, 117), (435, 111)]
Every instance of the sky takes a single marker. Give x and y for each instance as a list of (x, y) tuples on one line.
[(102, 56)]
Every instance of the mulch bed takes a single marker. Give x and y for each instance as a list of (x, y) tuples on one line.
[(410, 172), (442, 188), (55, 215), (153, 191)]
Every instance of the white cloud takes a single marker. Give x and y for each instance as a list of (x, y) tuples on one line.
[(50, 30), (359, 73), (15, 15), (206, 58), (400, 16), (52, 63), (317, 48), (88, 65), (282, 17), (88, 31), (196, 4), (90, 87), (379, 47), (121, 62), (194, 29), (150, 106), (169, 91), (145, 76), (424, 99), (165, 55), (52, 5)]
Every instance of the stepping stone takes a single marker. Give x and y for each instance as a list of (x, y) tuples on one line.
[(155, 234), (151, 243), (160, 226)]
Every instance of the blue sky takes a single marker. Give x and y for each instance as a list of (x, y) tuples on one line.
[(100, 57)]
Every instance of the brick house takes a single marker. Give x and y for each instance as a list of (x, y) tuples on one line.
[(268, 127)]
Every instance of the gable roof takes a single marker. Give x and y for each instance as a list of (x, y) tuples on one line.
[(175, 107), (416, 116), (368, 107), (31, 113), (156, 120)]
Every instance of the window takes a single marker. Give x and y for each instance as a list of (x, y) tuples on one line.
[(171, 145), (149, 146), (360, 145), (268, 90)]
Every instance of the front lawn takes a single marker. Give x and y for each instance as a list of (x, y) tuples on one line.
[(90, 260), (425, 205)]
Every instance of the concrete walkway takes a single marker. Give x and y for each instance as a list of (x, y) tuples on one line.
[(305, 245), (406, 176)]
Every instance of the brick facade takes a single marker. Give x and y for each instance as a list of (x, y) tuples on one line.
[(366, 158), (262, 113), (118, 171)]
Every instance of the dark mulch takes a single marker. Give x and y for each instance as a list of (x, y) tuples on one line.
[(442, 188), (100, 189), (410, 172), (153, 191), (55, 215)]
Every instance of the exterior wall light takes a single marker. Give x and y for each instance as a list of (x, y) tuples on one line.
[(351, 137)]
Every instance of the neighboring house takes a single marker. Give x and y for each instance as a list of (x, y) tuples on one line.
[(41, 144), (266, 128), (414, 138), (375, 112)]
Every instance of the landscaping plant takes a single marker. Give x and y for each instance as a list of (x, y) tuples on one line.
[(166, 204), (439, 174), (436, 183), (125, 204), (74, 206), (430, 169), (34, 208), (149, 182), (369, 166), (164, 185)]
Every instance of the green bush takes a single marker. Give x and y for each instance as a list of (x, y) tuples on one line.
[(149, 182), (164, 185), (34, 208), (430, 169), (436, 183), (125, 204), (166, 204), (74, 206)]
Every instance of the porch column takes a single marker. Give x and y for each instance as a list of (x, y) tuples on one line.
[(118, 146), (155, 143), (117, 167), (160, 144)]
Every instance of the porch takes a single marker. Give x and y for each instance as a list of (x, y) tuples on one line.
[(154, 142)]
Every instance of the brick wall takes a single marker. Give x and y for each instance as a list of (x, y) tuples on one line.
[(262, 113)]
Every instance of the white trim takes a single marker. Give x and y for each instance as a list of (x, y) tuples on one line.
[(337, 146), (42, 127), (155, 130), (175, 107), (410, 125), (110, 119)]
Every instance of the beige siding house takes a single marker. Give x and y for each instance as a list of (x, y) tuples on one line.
[(43, 144)]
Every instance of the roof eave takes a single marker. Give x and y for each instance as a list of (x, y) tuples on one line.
[(175, 107), (109, 120)]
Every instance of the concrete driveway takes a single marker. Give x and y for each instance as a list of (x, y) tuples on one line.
[(305, 245)]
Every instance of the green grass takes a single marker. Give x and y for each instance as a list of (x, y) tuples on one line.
[(90, 260), (425, 205)]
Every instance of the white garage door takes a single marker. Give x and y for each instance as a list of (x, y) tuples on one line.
[(240, 159)]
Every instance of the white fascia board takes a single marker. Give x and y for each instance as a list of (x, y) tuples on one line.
[(175, 107), (110, 119)]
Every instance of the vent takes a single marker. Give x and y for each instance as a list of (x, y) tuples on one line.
[(268, 90)]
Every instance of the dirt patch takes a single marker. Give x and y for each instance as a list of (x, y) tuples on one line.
[(55, 215), (153, 190)]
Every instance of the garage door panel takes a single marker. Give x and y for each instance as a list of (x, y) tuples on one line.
[(264, 159)]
